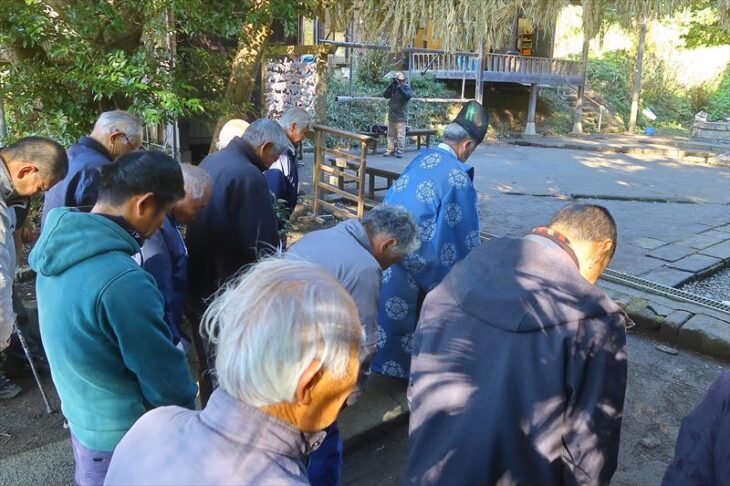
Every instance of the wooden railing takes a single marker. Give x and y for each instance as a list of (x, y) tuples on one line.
[(331, 171), (507, 63), (467, 64)]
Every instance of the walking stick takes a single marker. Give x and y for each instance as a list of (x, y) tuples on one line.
[(24, 344)]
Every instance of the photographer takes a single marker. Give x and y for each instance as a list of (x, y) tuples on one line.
[(399, 93)]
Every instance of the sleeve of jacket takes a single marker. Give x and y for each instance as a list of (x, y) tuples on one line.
[(406, 91), (156, 261), (596, 380), (258, 228), (87, 190), (131, 313), (366, 295), (388, 91), (276, 182), (7, 275)]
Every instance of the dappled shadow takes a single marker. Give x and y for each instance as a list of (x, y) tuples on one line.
[(526, 391)]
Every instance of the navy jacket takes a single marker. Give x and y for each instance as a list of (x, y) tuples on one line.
[(518, 373), (80, 187), (237, 226), (283, 179), (702, 454), (165, 257)]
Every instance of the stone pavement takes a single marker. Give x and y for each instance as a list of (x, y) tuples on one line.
[(688, 149), (673, 216)]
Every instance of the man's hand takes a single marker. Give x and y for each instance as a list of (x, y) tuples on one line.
[(28, 234)]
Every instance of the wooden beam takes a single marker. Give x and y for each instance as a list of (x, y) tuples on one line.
[(531, 109)]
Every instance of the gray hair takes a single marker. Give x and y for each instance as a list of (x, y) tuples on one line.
[(455, 133), (119, 121), (197, 181), (396, 222), (296, 115), (272, 322), (231, 129), (262, 131)]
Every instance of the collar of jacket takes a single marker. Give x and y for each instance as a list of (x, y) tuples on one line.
[(242, 146), (248, 426), (6, 181), (125, 226), (462, 165), (358, 231), (95, 145)]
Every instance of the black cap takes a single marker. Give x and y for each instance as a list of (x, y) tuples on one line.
[(474, 119)]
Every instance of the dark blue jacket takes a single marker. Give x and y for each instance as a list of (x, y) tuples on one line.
[(79, 189), (166, 258), (283, 179), (236, 226), (702, 454)]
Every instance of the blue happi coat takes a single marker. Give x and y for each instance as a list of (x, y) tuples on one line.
[(436, 188)]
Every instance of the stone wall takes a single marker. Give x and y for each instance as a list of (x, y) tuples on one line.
[(712, 131), (289, 83)]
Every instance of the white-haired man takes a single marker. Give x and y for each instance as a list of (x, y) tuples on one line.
[(164, 254), (356, 252), (231, 129), (238, 225), (436, 188), (284, 370), (283, 175), (115, 133)]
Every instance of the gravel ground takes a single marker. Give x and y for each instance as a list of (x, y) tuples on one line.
[(715, 287)]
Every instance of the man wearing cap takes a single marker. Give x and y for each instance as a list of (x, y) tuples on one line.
[(399, 93), (436, 188)]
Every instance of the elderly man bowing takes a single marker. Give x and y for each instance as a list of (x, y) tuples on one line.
[(436, 188), (519, 368), (287, 338), (356, 252)]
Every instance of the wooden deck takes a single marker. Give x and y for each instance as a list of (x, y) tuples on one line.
[(504, 68)]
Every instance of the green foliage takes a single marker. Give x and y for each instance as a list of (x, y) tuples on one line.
[(360, 115), (704, 28), (718, 106), (609, 77)]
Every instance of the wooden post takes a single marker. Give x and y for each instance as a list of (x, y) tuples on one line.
[(532, 107), (321, 89), (361, 179), (479, 86), (578, 115), (316, 171), (636, 91)]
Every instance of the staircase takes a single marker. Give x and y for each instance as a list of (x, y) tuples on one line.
[(592, 105)]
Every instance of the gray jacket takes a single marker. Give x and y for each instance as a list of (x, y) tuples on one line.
[(399, 96), (518, 373), (7, 257), (346, 253), (228, 442)]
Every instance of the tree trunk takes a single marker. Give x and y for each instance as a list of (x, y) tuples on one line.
[(578, 115), (3, 126), (244, 70), (636, 92)]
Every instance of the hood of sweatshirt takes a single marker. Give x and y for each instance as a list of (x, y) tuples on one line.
[(520, 286), (69, 237)]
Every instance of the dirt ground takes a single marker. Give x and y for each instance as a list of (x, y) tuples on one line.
[(662, 389)]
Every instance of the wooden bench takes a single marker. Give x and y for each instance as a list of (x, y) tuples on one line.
[(371, 172), (419, 133)]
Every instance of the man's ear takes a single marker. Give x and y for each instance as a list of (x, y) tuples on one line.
[(146, 203), (265, 148), (26, 169), (307, 380), (604, 251), (387, 244)]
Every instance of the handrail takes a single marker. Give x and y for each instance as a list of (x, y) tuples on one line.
[(342, 133)]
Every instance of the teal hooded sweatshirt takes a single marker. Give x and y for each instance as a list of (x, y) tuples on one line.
[(101, 318)]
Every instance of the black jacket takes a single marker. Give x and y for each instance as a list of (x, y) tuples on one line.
[(80, 187), (237, 226), (518, 373)]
